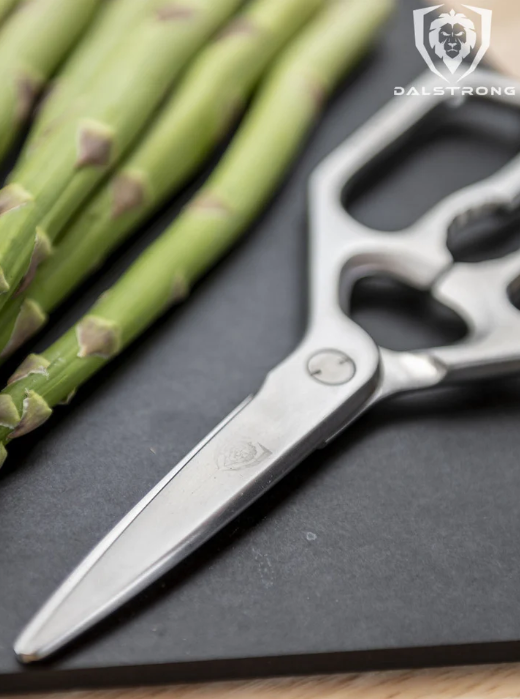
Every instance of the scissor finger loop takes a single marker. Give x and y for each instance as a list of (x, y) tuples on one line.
[(480, 293)]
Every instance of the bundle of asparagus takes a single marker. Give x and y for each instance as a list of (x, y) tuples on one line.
[(33, 42), (47, 189), (196, 117), (265, 145), (113, 23)]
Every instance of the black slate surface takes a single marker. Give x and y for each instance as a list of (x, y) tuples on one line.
[(396, 546)]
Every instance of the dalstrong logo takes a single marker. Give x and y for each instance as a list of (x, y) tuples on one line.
[(447, 39), (242, 455)]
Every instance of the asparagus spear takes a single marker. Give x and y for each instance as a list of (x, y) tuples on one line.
[(122, 99), (239, 188), (110, 27), (194, 120), (5, 8), (33, 42)]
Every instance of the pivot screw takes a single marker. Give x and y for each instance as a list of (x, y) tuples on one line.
[(331, 367)]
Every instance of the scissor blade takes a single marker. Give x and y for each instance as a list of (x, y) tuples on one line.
[(252, 449)]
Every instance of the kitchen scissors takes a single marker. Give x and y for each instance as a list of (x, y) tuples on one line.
[(336, 374)]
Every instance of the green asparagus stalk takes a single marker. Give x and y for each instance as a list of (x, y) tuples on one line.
[(47, 189), (5, 8), (268, 141), (192, 123), (96, 49), (33, 42)]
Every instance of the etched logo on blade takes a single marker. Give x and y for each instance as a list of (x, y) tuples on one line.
[(242, 455)]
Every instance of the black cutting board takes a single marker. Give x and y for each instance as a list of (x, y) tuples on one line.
[(397, 546)]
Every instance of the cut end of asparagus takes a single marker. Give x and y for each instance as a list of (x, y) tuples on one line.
[(41, 252), (98, 337), (174, 12), (27, 90), (95, 141), (30, 319), (4, 285), (9, 415), (13, 197), (129, 193), (33, 364), (35, 413)]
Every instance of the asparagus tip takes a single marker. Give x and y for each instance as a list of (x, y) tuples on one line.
[(33, 364), (36, 411), (95, 142), (9, 415), (98, 337)]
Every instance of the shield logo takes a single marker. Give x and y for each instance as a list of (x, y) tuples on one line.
[(452, 43), (242, 455)]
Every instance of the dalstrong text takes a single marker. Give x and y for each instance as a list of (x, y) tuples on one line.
[(455, 91)]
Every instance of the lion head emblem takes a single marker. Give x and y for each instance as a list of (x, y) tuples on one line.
[(452, 37)]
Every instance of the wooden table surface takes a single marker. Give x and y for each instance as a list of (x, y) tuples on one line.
[(491, 682), (505, 50), (488, 682)]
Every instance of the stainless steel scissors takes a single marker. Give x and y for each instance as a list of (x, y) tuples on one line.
[(336, 373)]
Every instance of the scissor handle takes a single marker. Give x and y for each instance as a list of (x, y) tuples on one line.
[(345, 249)]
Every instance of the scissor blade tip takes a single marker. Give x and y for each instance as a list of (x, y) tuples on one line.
[(27, 650), (27, 658)]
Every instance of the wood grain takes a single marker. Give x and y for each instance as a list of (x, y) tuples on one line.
[(491, 682)]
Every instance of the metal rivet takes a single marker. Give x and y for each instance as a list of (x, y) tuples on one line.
[(331, 367)]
